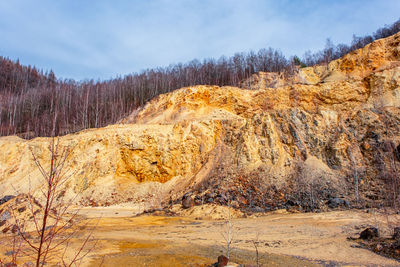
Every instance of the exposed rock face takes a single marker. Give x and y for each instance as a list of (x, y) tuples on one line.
[(323, 126)]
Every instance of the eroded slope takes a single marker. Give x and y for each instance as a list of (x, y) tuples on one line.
[(324, 126)]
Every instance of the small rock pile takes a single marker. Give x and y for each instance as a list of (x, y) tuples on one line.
[(387, 246), (246, 194)]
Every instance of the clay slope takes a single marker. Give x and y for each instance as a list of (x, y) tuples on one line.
[(318, 129)]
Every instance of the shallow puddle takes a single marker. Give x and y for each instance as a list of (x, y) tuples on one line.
[(161, 253)]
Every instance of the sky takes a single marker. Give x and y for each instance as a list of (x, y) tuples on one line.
[(99, 39)]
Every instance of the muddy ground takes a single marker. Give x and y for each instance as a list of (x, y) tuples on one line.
[(282, 238)]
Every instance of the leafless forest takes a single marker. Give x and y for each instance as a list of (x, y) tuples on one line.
[(29, 97)]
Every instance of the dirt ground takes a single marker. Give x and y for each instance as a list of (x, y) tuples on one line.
[(282, 238)]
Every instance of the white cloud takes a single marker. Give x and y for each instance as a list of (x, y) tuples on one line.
[(91, 39)]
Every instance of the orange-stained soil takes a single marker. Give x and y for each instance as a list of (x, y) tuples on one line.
[(282, 238)]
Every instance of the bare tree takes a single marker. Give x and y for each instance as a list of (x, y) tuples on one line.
[(256, 244), (227, 232), (26, 93), (49, 213)]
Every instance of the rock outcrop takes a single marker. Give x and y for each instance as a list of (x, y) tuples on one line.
[(325, 128)]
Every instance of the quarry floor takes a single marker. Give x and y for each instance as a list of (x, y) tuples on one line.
[(282, 238)]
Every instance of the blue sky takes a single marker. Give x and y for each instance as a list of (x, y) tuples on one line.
[(100, 39)]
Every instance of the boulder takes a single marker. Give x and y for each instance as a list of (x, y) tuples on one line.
[(397, 152), (369, 233), (337, 202), (235, 204), (6, 199), (187, 201), (198, 200), (257, 209), (396, 233), (22, 209), (222, 261), (14, 229), (378, 247)]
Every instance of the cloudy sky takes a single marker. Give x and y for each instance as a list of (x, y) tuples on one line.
[(100, 39)]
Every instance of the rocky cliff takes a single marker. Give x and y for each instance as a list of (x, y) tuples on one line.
[(301, 138)]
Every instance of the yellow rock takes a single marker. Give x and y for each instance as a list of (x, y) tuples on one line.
[(180, 139)]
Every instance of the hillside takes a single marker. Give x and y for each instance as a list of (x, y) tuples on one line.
[(295, 140), (29, 97)]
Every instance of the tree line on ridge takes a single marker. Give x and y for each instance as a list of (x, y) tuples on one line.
[(29, 97)]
